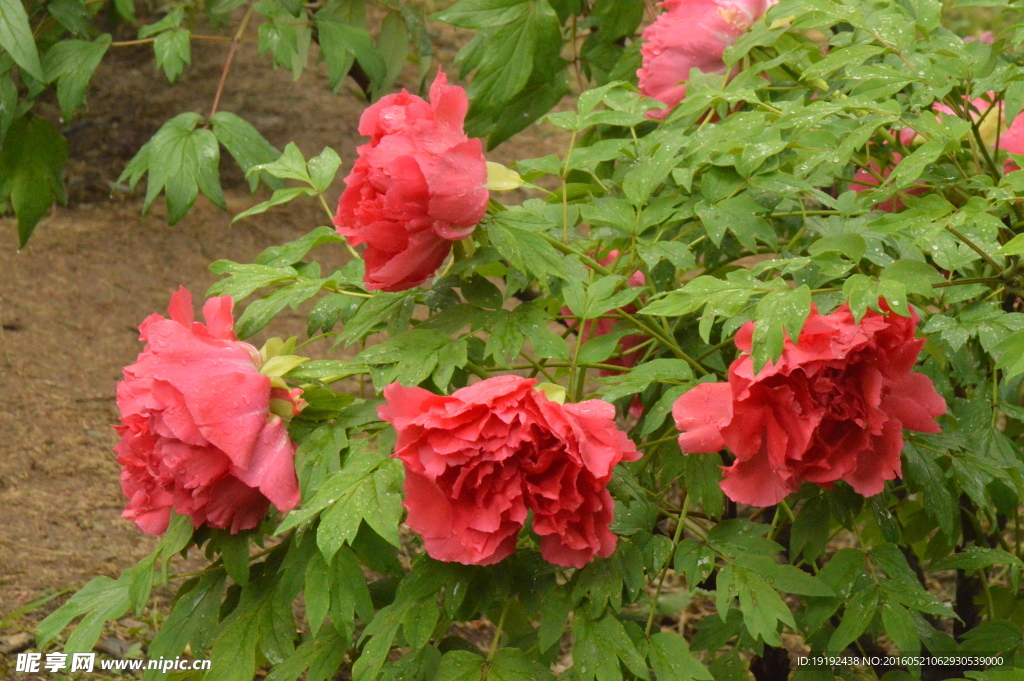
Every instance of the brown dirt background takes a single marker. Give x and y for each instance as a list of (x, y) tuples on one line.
[(71, 301)]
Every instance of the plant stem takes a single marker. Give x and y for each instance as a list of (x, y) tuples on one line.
[(668, 342), (227, 64), (146, 41), (497, 632), (668, 561)]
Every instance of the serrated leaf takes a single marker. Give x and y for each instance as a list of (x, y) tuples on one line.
[(173, 50), (71, 64), (671, 659), (323, 168), (261, 312), (860, 610), (600, 645), (460, 665), (247, 146), (182, 161), (512, 664), (279, 197), (525, 249), (976, 558), (100, 600), (366, 489), (779, 314), (342, 44), (192, 621)]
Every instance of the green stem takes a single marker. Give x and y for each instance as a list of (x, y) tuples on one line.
[(497, 632), (664, 570), (668, 342)]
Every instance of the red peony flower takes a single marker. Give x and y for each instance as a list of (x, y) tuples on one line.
[(691, 34), (478, 461), (196, 430), (833, 407), (418, 185)]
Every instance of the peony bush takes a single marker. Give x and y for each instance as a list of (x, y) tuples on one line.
[(731, 388)]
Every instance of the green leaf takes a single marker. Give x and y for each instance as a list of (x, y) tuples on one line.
[(525, 248), (16, 38), (321, 655), (294, 251), (779, 314), (341, 44), (172, 20), (393, 45), (247, 146), (554, 615), (71, 63), (788, 578), (349, 592), (192, 621), (512, 48), (512, 664), (761, 606), (280, 196), (703, 473), (976, 558), (261, 312), (100, 600), (182, 161), (483, 13), (639, 378), (911, 167), (740, 215), (600, 644), (72, 15), (368, 488), (381, 633), (860, 610), (8, 104), (460, 665), (235, 554), (173, 49), (323, 168), (419, 623), (924, 474), (126, 8), (31, 171), (899, 627), (810, 531), (916, 276), (529, 104), (245, 279), (671, 659), (290, 165), (1014, 246)]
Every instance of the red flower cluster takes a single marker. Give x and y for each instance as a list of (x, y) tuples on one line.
[(477, 461), (833, 407), (418, 185), (196, 430), (691, 34)]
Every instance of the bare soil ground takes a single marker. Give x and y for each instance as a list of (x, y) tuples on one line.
[(71, 302)]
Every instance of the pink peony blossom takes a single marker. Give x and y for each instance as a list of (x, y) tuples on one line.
[(691, 34), (196, 431), (833, 407), (418, 185), (478, 461)]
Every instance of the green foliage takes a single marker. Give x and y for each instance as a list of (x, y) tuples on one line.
[(824, 169)]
